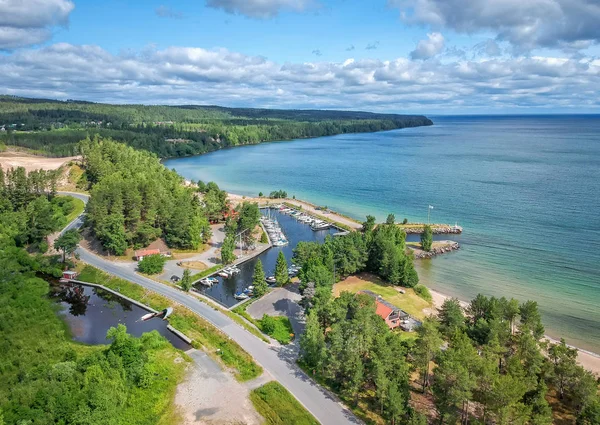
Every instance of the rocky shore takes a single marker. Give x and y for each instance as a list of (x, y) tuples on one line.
[(439, 247), (438, 229)]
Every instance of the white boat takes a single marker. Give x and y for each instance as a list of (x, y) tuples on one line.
[(271, 279), (206, 282), (223, 274), (241, 296), (212, 279), (320, 225), (280, 242)]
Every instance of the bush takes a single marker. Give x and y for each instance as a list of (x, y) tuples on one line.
[(278, 328), (152, 264), (423, 292), (263, 238)]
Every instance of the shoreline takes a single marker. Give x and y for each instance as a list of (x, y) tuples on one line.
[(588, 359)]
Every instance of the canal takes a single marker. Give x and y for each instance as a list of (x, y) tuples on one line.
[(295, 231), (91, 312)]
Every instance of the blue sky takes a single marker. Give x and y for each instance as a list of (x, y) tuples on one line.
[(431, 56)]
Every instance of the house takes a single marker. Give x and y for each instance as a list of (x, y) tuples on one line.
[(139, 255), (69, 274), (394, 317)]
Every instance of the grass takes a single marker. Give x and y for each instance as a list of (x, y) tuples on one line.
[(194, 265), (197, 276), (283, 328), (410, 302), (281, 331), (204, 335), (78, 205), (279, 407)]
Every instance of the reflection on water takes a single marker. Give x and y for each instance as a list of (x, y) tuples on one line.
[(224, 291), (90, 312)]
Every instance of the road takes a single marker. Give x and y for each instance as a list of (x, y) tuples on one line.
[(278, 361)]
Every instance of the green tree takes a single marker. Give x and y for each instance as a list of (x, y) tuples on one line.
[(152, 264), (67, 242), (260, 194), (368, 225), (564, 365), (451, 317), (264, 238), (312, 343), (282, 276), (427, 238), (258, 280), (427, 346), (531, 319), (186, 280), (390, 220), (227, 248)]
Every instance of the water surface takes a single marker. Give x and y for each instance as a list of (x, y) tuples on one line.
[(91, 312), (526, 190)]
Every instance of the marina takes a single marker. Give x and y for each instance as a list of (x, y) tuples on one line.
[(233, 283)]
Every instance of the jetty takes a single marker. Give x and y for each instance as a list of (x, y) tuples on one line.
[(438, 247), (437, 229)]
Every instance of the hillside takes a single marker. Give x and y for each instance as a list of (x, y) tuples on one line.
[(54, 127)]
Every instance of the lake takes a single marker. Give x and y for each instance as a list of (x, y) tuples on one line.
[(525, 189)]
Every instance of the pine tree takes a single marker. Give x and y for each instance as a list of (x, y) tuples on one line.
[(281, 270), (227, 248), (312, 343), (427, 346), (258, 280), (427, 238), (186, 280)]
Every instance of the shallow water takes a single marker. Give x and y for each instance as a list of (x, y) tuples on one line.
[(526, 190), (91, 312)]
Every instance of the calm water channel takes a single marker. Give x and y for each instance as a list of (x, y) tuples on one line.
[(91, 312), (224, 291)]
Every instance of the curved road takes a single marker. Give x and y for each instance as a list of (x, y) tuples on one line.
[(278, 361)]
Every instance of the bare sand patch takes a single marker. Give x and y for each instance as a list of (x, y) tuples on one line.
[(14, 159), (210, 395)]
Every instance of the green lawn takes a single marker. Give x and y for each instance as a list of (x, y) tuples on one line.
[(279, 407), (280, 329), (410, 302), (204, 335)]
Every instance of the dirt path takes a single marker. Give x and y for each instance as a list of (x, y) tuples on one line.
[(210, 395)]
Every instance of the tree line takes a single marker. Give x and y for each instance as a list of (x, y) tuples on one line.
[(55, 127), (29, 207)]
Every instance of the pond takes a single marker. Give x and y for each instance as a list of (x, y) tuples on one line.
[(90, 312), (295, 231)]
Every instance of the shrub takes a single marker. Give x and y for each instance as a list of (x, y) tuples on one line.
[(263, 238), (152, 264), (405, 221), (268, 324), (423, 292)]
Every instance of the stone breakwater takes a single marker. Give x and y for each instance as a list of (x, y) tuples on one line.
[(440, 247), (437, 229)]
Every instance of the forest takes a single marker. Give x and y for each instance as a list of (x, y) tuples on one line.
[(486, 364), (54, 127), (135, 199), (46, 378)]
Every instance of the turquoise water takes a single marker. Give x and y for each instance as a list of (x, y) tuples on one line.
[(525, 189)]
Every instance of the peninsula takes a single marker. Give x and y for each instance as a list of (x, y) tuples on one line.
[(55, 127)]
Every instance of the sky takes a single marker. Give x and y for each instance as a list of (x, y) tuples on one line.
[(403, 56)]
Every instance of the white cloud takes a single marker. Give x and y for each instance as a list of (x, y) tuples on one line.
[(526, 24), (259, 8), (179, 75), (28, 22), (430, 47)]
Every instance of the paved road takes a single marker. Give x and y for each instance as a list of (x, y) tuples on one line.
[(278, 361)]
